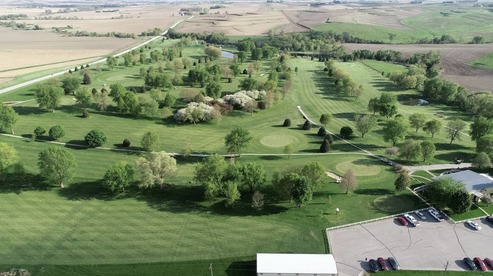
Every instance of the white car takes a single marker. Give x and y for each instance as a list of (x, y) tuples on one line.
[(434, 213), (473, 225), (411, 219), (420, 215)]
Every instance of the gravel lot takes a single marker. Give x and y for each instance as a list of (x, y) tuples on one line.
[(428, 246)]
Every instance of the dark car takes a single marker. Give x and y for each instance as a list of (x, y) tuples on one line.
[(393, 263), (490, 219), (469, 263), (383, 265), (488, 262), (479, 264), (402, 221), (373, 265)]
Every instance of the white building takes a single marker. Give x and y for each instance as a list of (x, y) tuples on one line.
[(475, 183), (273, 264)]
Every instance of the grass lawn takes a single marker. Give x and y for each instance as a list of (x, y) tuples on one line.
[(174, 229)]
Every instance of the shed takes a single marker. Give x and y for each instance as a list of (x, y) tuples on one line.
[(296, 264)]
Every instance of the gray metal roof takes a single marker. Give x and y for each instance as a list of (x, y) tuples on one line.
[(472, 181)]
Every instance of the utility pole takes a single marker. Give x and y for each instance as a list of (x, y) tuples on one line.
[(210, 268)]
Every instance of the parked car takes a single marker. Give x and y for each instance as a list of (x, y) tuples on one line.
[(435, 214), (488, 262), (473, 225), (373, 265), (469, 263), (381, 262), (479, 264), (420, 215), (490, 219), (393, 263), (402, 221), (411, 219)]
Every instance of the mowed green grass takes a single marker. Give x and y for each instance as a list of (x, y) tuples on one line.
[(462, 23), (85, 225)]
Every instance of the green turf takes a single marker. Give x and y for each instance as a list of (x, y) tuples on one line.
[(485, 61)]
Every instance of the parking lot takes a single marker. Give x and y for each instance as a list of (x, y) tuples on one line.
[(429, 246)]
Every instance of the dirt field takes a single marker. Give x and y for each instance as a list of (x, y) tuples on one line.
[(23, 52), (454, 58), (244, 19)]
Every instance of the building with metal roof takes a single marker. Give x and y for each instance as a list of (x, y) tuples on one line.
[(296, 264)]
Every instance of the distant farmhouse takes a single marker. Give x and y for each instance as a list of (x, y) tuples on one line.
[(475, 183)]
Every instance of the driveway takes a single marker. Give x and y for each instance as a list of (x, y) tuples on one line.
[(430, 246)]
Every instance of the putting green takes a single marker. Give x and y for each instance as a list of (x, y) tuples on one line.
[(360, 167), (277, 141)]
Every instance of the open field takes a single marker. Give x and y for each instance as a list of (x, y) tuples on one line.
[(454, 59)]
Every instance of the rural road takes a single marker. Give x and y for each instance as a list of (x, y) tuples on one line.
[(435, 167), (33, 81)]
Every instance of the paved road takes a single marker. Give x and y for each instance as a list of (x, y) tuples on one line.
[(24, 84), (435, 167)]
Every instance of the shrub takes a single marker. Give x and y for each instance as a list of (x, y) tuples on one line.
[(126, 143), (245, 71), (287, 123), (325, 146), (85, 114), (95, 138), (329, 138), (261, 105), (346, 132), (321, 131), (56, 132), (307, 125)]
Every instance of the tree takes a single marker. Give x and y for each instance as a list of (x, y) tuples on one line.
[(448, 192), (427, 149), (83, 97), (403, 181), (248, 84), (169, 100), (252, 175), (48, 96), (8, 157), (482, 161), (395, 130), (346, 132), (454, 129), (325, 146), (349, 181), (119, 176), (410, 150), (307, 125), (56, 132), (150, 141), (126, 143), (257, 201), (95, 138), (480, 128), (287, 123), (155, 169), (288, 150), (314, 171), (373, 105), (460, 201), (392, 151), (8, 117), (231, 193), (237, 139), (301, 192), (86, 80), (111, 62), (432, 127), (213, 52), (39, 131), (485, 144), (56, 165), (364, 123), (386, 105), (70, 84), (417, 121), (325, 119), (213, 89)]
